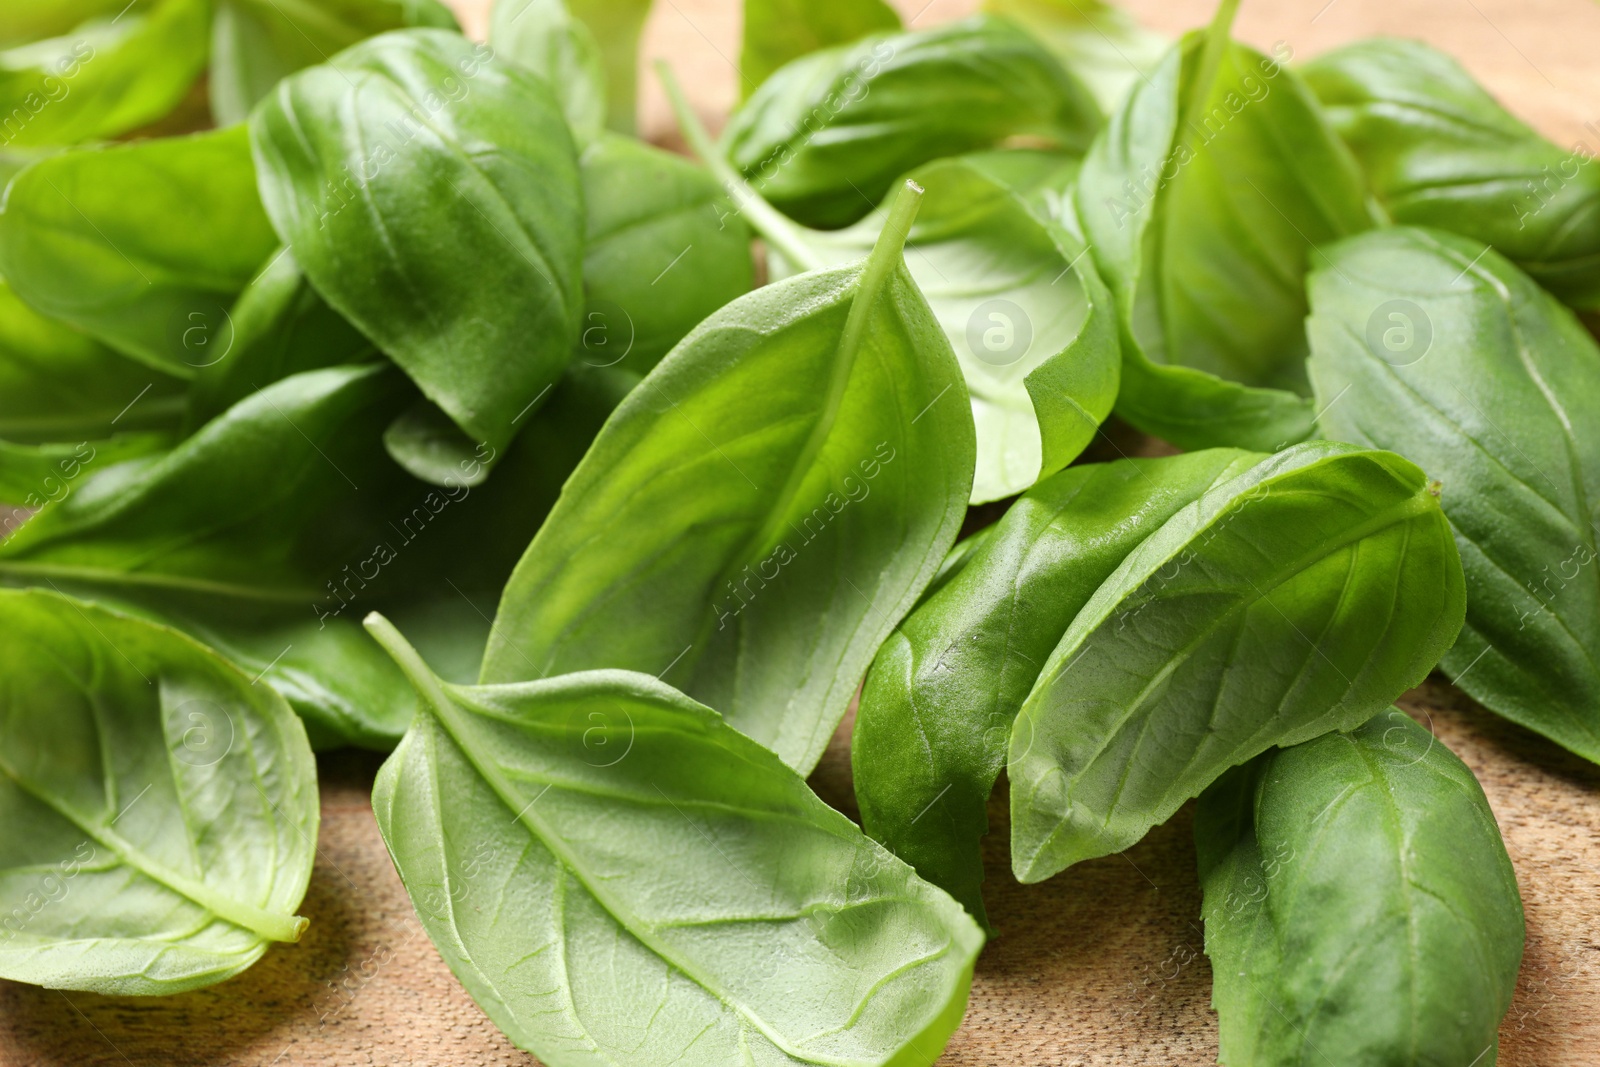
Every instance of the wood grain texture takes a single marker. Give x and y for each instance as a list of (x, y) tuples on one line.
[(1099, 967)]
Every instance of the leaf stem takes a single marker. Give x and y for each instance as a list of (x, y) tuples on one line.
[(407, 658), (778, 230), (885, 257)]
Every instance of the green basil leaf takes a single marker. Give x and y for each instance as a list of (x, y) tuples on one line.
[(1437, 347), (1099, 42), (616, 26), (664, 250), (21, 23), (114, 73), (431, 194), (56, 384), (1030, 321), (936, 712), (1302, 596), (666, 867), (1358, 902), (1440, 151), (280, 326), (161, 810), (255, 44), (778, 31), (804, 454), (827, 135), (543, 36), (1202, 201), (88, 237), (31, 475)]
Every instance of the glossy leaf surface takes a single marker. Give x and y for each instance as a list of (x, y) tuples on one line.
[(161, 810), (1358, 898), (431, 194), (1440, 151), (257, 43), (1302, 596), (1438, 348), (616, 875), (543, 36), (777, 31), (825, 137), (87, 237), (757, 515), (1100, 42), (935, 716), (120, 69), (1202, 202)]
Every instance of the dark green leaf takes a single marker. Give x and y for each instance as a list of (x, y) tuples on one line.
[(431, 194), (257, 43), (777, 31), (931, 732), (1202, 201), (664, 250), (160, 809), (825, 137), (616, 876), (34, 475), (760, 512), (1440, 151), (1099, 42), (1435, 346), (1302, 596), (543, 36), (123, 68), (58, 385), (1359, 904), (89, 237)]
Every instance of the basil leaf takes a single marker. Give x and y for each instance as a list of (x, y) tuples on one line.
[(543, 36), (161, 810), (87, 237), (1302, 596), (255, 44), (1202, 201), (664, 250), (21, 23), (936, 712), (31, 475), (1358, 898), (1436, 346), (1440, 151), (778, 31), (804, 454), (280, 327), (57, 384), (827, 135), (1101, 43), (122, 69), (616, 26), (665, 866), (461, 185)]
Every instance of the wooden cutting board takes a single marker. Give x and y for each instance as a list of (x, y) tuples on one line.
[(1099, 967)]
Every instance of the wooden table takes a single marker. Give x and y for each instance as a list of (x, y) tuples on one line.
[(1099, 966)]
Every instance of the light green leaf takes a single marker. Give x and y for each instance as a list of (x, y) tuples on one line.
[(777, 31), (1358, 903), (758, 514), (1098, 41), (616, 26), (827, 135), (1440, 151), (257, 43), (616, 876), (161, 810), (419, 181), (21, 23), (1437, 347), (543, 36), (1202, 202), (1303, 596), (936, 712), (126, 67), (87, 237)]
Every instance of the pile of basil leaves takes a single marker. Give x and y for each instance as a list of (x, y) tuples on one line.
[(415, 335)]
